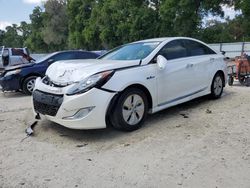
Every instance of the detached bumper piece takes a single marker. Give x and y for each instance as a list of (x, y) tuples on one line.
[(46, 103)]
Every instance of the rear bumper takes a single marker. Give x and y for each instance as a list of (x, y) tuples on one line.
[(10, 83)]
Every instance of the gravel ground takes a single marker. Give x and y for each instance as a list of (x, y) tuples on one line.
[(210, 147)]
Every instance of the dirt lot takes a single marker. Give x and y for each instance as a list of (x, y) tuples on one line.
[(210, 148)]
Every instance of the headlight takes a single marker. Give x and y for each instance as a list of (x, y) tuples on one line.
[(96, 80), (12, 72)]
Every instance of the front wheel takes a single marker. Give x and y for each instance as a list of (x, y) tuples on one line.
[(130, 111), (29, 84), (217, 86)]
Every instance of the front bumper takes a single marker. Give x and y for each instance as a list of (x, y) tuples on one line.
[(61, 106), (10, 83)]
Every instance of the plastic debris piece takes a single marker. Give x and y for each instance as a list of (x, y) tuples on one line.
[(30, 130)]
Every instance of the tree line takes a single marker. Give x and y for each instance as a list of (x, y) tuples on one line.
[(104, 24)]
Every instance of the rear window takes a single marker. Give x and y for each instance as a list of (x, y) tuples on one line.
[(86, 55), (196, 49)]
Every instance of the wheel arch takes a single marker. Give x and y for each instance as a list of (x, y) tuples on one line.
[(27, 76), (223, 77), (115, 98), (146, 91)]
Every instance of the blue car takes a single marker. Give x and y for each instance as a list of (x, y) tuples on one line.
[(22, 77)]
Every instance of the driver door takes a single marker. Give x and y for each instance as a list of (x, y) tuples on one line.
[(175, 81)]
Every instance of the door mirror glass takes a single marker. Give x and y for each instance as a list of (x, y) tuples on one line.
[(161, 62)]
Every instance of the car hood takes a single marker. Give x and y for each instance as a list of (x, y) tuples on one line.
[(10, 68), (71, 71)]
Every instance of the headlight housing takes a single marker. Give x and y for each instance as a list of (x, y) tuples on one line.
[(96, 80), (12, 72)]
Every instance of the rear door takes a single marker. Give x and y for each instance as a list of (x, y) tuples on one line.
[(201, 59)]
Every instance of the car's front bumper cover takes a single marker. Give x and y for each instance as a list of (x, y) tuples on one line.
[(61, 108), (10, 83)]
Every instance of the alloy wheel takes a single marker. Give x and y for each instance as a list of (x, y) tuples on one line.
[(218, 85), (133, 109), (31, 85)]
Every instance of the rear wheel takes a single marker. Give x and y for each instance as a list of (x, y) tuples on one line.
[(130, 111), (217, 86), (29, 84)]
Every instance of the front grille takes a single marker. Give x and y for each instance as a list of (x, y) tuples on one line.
[(46, 103), (45, 108)]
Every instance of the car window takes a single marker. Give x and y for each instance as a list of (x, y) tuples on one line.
[(16, 52), (173, 50), (86, 55), (133, 51), (196, 49), (5, 52), (64, 56)]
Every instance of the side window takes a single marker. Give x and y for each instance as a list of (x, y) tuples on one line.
[(196, 49), (173, 50), (17, 52), (5, 52), (86, 55), (64, 56)]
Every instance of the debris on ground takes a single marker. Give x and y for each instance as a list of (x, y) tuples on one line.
[(184, 115), (30, 130), (209, 111), (81, 145), (63, 135)]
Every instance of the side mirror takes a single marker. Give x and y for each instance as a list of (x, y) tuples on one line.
[(50, 61), (223, 52), (161, 62)]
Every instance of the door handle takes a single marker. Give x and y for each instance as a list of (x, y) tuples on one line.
[(190, 65), (212, 59)]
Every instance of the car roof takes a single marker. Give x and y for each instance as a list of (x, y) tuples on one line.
[(74, 51), (164, 39)]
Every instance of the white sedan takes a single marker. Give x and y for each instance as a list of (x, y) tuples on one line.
[(129, 82)]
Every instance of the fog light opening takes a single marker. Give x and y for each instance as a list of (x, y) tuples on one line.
[(80, 113)]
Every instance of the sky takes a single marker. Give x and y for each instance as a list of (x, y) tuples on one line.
[(15, 11)]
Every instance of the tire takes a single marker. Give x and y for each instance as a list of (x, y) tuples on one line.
[(230, 80), (130, 110), (217, 86), (28, 85)]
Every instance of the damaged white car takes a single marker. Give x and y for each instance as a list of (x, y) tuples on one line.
[(129, 82)]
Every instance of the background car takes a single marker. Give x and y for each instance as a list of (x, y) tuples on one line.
[(22, 77), (13, 56), (129, 82)]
